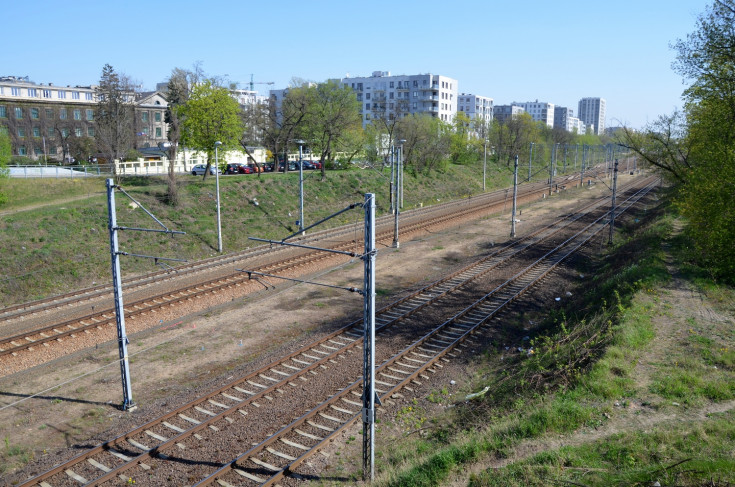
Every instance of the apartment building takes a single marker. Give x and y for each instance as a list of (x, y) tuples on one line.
[(383, 95), (539, 111), (503, 113), (46, 121), (476, 106), (592, 112)]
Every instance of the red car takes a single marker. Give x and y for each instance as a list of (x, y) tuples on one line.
[(237, 169)]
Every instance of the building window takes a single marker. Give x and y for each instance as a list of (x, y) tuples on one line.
[(157, 116), (22, 151), (367, 96), (50, 113), (51, 133), (145, 116), (77, 114), (37, 150), (90, 131), (367, 106), (35, 113), (62, 113), (52, 150), (75, 95), (65, 132), (18, 113), (47, 93), (88, 96), (21, 132), (15, 91), (78, 131), (3, 111), (32, 92), (90, 114), (62, 94), (36, 131), (158, 132), (390, 95)]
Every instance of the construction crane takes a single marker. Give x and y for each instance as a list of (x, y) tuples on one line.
[(253, 83)]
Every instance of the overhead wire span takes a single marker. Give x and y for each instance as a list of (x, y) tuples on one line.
[(350, 289)]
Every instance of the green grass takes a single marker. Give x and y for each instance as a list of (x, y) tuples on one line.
[(582, 375), (64, 244)]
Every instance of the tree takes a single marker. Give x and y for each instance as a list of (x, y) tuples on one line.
[(177, 94), (332, 112), (255, 120), (513, 138), (6, 154), (463, 146), (427, 142), (210, 115), (115, 114)]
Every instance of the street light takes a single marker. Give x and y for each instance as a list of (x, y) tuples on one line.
[(216, 177), (301, 185)]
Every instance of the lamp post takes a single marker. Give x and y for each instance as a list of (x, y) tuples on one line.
[(216, 178), (301, 185)]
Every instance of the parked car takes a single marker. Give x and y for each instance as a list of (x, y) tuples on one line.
[(269, 166), (308, 165), (237, 169), (292, 166), (199, 170)]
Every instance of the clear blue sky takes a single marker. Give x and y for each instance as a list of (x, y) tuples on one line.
[(518, 50)]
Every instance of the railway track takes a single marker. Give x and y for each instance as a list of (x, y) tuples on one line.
[(175, 438), (413, 221)]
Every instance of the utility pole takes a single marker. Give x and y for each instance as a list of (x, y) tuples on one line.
[(216, 178), (515, 197), (369, 398), (122, 338), (484, 166), (530, 159), (551, 169), (612, 208), (581, 174), (392, 176), (397, 209), (301, 186)]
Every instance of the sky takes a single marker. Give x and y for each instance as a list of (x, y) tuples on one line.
[(511, 50)]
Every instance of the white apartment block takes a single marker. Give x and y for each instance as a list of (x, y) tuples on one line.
[(476, 106), (503, 113), (539, 111), (592, 112), (384, 95)]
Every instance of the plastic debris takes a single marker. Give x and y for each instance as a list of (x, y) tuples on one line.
[(557, 299), (475, 395), (452, 382), (568, 293)]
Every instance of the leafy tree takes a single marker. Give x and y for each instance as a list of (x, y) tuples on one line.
[(6, 154), (463, 145), (210, 115), (115, 114), (513, 138), (427, 142), (80, 148), (332, 112)]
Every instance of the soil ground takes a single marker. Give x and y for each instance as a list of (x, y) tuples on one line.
[(51, 410)]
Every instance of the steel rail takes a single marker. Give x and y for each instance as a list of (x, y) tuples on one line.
[(69, 299), (56, 331), (157, 450), (395, 373)]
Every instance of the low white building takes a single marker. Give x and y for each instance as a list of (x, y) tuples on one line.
[(155, 160), (476, 106)]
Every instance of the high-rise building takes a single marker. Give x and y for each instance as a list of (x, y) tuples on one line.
[(503, 113), (383, 95), (539, 111), (476, 106), (591, 111)]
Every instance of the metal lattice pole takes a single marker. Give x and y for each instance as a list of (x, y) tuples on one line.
[(122, 338), (301, 189), (515, 196), (612, 208), (397, 209), (216, 176), (368, 376)]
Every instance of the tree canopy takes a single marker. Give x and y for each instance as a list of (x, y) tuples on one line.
[(210, 115)]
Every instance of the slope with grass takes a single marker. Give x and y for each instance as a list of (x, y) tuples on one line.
[(54, 237), (631, 383)]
